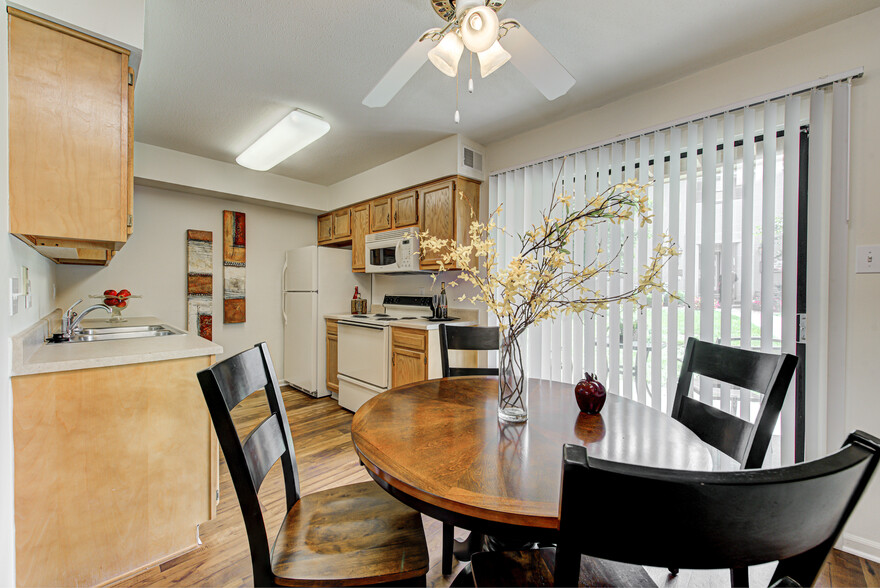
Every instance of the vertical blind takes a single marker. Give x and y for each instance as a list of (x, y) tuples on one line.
[(726, 188)]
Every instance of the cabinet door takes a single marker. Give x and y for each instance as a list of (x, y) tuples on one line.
[(360, 226), (68, 133), (341, 223), (380, 215), (404, 209), (408, 366), (332, 363), (437, 218), (325, 228)]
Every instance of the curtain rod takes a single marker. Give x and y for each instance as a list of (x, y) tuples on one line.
[(791, 91)]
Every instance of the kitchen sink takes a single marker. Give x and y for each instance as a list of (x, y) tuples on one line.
[(114, 333)]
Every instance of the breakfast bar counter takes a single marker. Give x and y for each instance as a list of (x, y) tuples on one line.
[(32, 355), (116, 461)]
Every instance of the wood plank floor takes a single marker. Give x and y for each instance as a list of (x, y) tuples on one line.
[(326, 458)]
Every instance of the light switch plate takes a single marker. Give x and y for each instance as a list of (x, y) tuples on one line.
[(868, 259)]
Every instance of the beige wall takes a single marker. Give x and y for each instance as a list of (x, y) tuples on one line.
[(837, 48), (153, 264)]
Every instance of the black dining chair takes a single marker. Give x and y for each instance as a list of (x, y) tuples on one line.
[(699, 520), (466, 339), (350, 535), (463, 339), (765, 373)]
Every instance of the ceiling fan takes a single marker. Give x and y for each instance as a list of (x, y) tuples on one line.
[(474, 25)]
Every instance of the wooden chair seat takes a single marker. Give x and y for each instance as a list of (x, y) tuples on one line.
[(535, 567), (350, 535)]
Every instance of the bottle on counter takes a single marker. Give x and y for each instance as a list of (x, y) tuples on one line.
[(355, 297), (443, 306)]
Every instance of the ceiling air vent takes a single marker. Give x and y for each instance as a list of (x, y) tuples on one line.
[(472, 159)]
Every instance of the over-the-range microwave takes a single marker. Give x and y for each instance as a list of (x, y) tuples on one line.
[(393, 251)]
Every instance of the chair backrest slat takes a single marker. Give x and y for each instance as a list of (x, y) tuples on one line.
[(719, 429), (711, 520), (262, 448), (224, 386), (240, 376), (765, 373), (466, 339)]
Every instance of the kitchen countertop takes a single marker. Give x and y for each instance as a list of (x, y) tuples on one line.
[(425, 325), (32, 355)]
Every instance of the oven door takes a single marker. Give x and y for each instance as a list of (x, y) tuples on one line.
[(364, 353), (383, 257)]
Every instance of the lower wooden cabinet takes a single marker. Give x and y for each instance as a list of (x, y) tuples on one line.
[(332, 356), (115, 468), (409, 356)]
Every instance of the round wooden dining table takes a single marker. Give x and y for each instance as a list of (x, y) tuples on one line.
[(439, 447)]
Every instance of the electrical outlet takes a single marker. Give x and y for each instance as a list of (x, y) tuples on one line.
[(868, 259)]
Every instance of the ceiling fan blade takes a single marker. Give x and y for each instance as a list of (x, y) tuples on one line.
[(400, 73), (536, 63)]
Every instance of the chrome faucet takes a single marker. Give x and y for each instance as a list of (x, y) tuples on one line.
[(70, 321)]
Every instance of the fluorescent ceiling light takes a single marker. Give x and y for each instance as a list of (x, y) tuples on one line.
[(295, 131)]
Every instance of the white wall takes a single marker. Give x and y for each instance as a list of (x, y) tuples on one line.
[(174, 170), (153, 264), (423, 165), (836, 48), (13, 254)]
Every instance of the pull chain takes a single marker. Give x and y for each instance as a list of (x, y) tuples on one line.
[(471, 75), (457, 117)]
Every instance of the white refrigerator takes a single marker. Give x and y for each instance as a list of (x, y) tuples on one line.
[(317, 281)]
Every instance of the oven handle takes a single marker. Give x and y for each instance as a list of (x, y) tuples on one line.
[(397, 254), (360, 326)]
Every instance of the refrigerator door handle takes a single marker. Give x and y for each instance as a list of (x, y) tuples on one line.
[(283, 290)]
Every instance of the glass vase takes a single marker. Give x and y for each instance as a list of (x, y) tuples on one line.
[(513, 381)]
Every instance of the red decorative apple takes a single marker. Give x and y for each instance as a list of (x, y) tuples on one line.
[(111, 300), (590, 394), (124, 293), (121, 304)]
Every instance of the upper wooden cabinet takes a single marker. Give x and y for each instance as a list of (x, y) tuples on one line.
[(341, 223), (325, 227), (380, 214), (446, 210), (404, 209), (360, 226), (70, 141)]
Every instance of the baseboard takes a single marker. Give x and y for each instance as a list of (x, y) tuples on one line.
[(861, 547), (147, 566)]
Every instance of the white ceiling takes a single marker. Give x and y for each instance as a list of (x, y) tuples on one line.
[(217, 74)]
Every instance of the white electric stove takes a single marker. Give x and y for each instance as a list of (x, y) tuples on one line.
[(364, 347)]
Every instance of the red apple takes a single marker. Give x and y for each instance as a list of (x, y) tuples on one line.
[(121, 304), (590, 394), (110, 301), (124, 293)]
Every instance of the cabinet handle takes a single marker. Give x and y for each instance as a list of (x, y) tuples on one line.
[(395, 218)]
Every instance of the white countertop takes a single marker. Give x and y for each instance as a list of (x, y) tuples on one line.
[(32, 355), (425, 325)]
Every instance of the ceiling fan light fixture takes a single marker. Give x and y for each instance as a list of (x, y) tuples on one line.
[(292, 133), (446, 55), (492, 58), (479, 28)]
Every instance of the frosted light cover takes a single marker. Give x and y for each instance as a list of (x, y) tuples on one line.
[(294, 132)]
